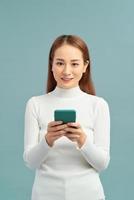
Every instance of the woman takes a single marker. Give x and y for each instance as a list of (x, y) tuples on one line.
[(64, 170)]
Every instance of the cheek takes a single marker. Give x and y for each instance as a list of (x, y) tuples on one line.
[(78, 73), (56, 72)]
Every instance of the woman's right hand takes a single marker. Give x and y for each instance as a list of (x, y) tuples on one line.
[(55, 130)]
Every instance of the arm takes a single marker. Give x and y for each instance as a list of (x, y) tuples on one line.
[(97, 154), (34, 152)]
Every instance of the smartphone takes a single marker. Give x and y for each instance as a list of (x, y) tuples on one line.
[(65, 115)]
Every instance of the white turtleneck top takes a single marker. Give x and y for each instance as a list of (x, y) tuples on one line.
[(64, 161)]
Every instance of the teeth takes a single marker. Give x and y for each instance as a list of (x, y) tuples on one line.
[(66, 78)]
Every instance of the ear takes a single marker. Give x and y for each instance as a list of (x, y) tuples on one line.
[(85, 66)]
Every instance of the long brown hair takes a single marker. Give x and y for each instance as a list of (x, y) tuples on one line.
[(86, 83)]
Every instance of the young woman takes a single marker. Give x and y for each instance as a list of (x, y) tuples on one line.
[(65, 171)]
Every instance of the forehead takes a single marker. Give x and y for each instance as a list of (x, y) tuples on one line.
[(68, 52)]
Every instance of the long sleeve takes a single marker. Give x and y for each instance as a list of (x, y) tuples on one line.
[(97, 153), (34, 152)]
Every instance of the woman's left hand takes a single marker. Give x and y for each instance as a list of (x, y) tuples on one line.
[(74, 132)]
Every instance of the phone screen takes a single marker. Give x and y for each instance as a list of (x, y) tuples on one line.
[(65, 115)]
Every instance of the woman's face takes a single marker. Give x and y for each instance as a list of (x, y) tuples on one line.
[(68, 66)]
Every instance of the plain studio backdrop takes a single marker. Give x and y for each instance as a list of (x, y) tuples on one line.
[(27, 30)]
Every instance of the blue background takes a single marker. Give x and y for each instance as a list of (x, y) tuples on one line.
[(27, 30)]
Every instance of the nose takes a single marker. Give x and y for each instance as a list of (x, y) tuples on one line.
[(67, 70)]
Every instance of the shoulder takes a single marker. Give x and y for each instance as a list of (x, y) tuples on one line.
[(102, 106), (96, 99), (36, 100), (97, 102)]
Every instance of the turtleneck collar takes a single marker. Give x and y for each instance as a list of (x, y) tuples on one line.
[(67, 92)]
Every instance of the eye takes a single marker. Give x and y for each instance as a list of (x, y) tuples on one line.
[(60, 63), (75, 64)]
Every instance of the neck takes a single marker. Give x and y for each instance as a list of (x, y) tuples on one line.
[(67, 92)]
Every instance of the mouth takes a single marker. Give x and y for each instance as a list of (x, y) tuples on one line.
[(66, 79)]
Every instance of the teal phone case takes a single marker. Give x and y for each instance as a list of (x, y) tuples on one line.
[(65, 115)]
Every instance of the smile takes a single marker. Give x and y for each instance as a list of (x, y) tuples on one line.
[(67, 79)]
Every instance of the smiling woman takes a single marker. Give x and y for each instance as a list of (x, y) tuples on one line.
[(69, 56), (68, 66), (65, 170)]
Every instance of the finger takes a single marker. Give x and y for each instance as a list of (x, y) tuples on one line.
[(74, 124), (73, 138), (54, 123), (56, 137), (59, 133), (57, 128), (72, 130)]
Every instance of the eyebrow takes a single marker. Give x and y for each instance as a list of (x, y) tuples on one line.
[(71, 60)]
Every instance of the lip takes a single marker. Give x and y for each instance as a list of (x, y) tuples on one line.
[(66, 79)]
